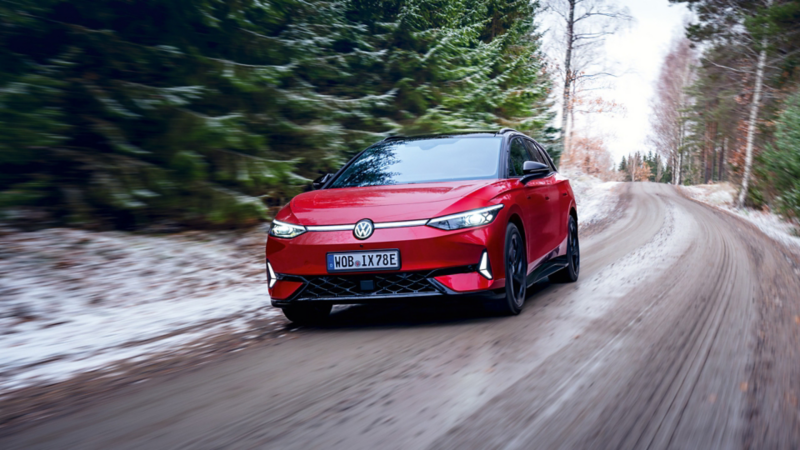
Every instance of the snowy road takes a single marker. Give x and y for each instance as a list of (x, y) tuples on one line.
[(681, 333)]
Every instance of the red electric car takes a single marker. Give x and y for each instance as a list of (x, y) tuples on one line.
[(481, 213)]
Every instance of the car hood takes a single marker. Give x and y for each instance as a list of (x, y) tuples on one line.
[(388, 203)]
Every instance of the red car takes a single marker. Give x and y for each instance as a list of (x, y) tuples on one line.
[(480, 213)]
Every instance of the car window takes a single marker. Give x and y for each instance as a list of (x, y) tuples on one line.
[(423, 160), (547, 159), (543, 155), (534, 152), (517, 156)]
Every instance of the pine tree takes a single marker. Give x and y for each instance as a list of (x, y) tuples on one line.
[(188, 111), (782, 160), (122, 114)]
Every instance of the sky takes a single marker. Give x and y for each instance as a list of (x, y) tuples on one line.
[(638, 52)]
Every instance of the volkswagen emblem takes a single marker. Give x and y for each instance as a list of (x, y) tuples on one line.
[(363, 229)]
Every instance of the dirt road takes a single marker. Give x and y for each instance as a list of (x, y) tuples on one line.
[(681, 333)]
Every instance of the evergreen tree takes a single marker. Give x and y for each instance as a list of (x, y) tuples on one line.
[(122, 114), (782, 160), (152, 110)]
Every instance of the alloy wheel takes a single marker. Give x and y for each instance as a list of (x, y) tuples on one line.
[(516, 265)]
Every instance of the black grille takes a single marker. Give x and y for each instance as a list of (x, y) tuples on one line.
[(339, 286)]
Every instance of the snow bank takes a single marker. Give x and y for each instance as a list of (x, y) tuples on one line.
[(72, 301), (723, 195), (596, 198)]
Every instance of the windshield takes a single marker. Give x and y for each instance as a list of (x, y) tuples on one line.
[(423, 161)]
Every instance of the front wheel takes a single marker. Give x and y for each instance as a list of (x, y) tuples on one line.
[(570, 273), (516, 265), (307, 313)]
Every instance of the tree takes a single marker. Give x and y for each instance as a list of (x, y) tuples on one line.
[(782, 160), (725, 22), (637, 168), (179, 111), (671, 104), (751, 122), (201, 113), (586, 25), (591, 156)]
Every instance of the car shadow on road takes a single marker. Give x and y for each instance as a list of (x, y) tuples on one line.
[(437, 311)]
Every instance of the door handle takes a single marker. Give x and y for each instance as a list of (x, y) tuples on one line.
[(564, 194), (547, 198)]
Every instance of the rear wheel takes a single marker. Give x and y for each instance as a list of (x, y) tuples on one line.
[(307, 313), (516, 265), (570, 273)]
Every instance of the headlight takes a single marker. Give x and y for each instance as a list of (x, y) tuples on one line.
[(468, 219), (285, 230)]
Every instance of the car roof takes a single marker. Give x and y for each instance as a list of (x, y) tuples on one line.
[(472, 133)]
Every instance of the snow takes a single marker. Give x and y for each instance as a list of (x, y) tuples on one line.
[(73, 301), (665, 249), (596, 198), (722, 195)]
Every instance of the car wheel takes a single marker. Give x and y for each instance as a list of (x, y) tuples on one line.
[(516, 265), (570, 273), (307, 314)]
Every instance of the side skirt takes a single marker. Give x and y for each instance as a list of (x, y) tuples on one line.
[(547, 268)]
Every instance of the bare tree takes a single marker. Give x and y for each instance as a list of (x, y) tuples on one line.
[(586, 25), (670, 105)]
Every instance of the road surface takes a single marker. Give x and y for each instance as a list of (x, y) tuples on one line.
[(679, 334)]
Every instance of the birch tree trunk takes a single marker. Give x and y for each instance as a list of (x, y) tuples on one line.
[(565, 106), (751, 123)]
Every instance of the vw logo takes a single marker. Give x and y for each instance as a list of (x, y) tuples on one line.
[(363, 229)]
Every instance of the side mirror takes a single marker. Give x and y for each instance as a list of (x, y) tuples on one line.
[(319, 182), (533, 169)]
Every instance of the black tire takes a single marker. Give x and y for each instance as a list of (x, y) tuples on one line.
[(570, 273), (515, 257), (307, 313)]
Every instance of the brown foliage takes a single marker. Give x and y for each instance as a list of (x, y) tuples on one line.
[(590, 156)]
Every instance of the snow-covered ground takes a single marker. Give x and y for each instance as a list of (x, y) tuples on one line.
[(72, 301), (723, 195), (596, 198)]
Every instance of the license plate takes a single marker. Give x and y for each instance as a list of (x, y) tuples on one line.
[(370, 260)]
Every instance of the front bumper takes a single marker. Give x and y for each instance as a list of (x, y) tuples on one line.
[(433, 263)]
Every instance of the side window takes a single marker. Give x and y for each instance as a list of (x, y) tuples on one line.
[(517, 156), (547, 159), (534, 152)]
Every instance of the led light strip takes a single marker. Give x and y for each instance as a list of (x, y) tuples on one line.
[(407, 223)]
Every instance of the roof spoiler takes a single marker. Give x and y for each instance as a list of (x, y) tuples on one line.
[(391, 138)]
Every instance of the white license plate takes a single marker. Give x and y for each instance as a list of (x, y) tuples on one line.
[(372, 260)]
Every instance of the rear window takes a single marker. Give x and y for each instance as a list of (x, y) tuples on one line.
[(423, 161)]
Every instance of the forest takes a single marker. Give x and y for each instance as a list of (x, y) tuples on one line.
[(168, 114), (727, 106), (206, 113)]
